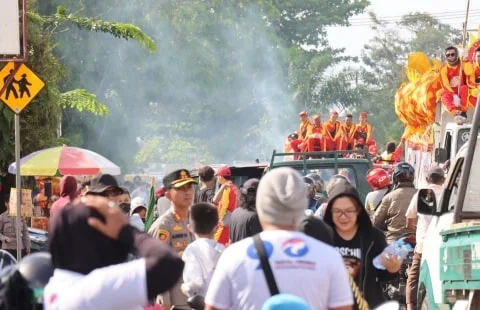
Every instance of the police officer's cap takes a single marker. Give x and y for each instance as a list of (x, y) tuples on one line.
[(177, 179)]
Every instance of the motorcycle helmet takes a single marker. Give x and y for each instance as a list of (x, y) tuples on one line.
[(377, 178), (318, 182), (310, 184), (403, 172)]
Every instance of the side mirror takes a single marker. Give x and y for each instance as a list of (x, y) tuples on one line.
[(441, 155), (426, 203)]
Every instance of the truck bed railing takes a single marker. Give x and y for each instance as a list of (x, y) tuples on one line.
[(307, 156)]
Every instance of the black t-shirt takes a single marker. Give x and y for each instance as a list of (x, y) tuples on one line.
[(244, 223), (204, 195), (351, 251)]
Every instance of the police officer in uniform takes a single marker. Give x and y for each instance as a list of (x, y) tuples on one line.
[(8, 232), (172, 226)]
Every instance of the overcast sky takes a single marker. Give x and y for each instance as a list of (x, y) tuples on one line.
[(449, 11)]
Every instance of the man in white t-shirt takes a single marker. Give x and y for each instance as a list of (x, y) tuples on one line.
[(435, 180), (301, 265)]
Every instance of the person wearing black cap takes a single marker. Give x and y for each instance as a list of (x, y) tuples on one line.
[(172, 226), (105, 185), (89, 243)]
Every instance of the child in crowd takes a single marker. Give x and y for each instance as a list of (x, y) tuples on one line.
[(201, 256)]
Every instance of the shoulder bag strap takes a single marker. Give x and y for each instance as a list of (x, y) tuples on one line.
[(267, 270)]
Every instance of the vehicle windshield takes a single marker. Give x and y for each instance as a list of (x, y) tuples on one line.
[(327, 173), (472, 195)]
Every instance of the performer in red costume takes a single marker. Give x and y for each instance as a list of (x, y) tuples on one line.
[(364, 131), (346, 140), (473, 79), (305, 127), (331, 130), (315, 139), (453, 80)]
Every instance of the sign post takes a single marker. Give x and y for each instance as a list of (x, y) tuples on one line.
[(12, 33), (18, 182), (19, 85)]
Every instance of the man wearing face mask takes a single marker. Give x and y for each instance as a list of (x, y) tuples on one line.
[(453, 80)]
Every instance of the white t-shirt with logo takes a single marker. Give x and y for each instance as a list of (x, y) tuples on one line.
[(423, 220), (302, 266), (122, 286)]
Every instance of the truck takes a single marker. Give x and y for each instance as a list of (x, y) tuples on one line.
[(450, 264), (432, 135)]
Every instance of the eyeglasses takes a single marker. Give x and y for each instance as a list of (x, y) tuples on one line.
[(347, 213), (451, 54)]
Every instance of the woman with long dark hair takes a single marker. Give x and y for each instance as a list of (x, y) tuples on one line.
[(244, 220)]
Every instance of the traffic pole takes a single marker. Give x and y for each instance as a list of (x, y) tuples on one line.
[(18, 185)]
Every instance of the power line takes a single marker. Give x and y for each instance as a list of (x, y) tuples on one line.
[(370, 23), (439, 14)]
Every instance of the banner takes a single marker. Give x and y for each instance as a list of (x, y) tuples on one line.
[(27, 203), (9, 27)]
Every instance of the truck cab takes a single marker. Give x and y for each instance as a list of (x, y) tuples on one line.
[(450, 265)]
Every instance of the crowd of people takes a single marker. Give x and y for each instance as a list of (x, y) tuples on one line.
[(282, 240)]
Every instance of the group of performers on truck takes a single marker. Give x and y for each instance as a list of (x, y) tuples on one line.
[(332, 135)]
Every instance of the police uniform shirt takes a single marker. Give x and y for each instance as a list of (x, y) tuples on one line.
[(172, 229), (8, 226)]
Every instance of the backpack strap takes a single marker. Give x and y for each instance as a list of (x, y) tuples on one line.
[(267, 270)]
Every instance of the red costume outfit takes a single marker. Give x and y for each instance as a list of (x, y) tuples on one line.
[(346, 140), (473, 82), (364, 131), (331, 130), (315, 139), (452, 85), (226, 205)]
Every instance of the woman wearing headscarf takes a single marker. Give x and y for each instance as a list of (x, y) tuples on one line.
[(68, 193), (359, 243)]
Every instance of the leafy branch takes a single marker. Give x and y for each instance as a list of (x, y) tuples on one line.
[(118, 30), (82, 100)]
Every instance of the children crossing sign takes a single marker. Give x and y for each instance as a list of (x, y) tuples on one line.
[(21, 88)]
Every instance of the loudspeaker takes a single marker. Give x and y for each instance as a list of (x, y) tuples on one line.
[(48, 188)]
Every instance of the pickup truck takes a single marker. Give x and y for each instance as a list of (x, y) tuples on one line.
[(327, 164), (450, 266)]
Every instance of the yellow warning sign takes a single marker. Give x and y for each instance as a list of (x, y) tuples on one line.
[(24, 86)]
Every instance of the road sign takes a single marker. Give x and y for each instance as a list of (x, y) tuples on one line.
[(24, 86)]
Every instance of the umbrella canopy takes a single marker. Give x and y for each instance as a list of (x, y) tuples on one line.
[(63, 160)]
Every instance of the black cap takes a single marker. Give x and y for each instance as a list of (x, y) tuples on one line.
[(102, 183), (177, 178)]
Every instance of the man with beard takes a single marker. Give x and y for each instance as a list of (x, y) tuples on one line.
[(453, 80)]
